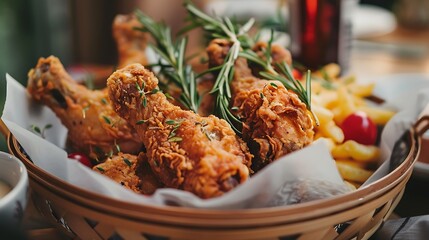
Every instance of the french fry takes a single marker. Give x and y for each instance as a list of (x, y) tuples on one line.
[(345, 107), (352, 162), (378, 116), (359, 102), (356, 151), (330, 71), (333, 101), (326, 98), (361, 90), (323, 114), (353, 173), (331, 130), (327, 127), (329, 142)]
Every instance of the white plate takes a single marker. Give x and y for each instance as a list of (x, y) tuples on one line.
[(372, 21), (397, 89)]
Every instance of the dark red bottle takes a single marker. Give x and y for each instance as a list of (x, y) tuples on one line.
[(320, 32)]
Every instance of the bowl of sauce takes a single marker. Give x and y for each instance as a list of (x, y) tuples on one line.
[(13, 190)]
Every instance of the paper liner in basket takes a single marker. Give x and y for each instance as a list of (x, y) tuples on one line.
[(301, 176)]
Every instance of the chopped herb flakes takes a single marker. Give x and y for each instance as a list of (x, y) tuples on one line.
[(107, 120), (175, 139), (273, 85), (144, 101), (40, 131), (168, 96), (170, 122), (140, 122), (176, 124), (126, 161)]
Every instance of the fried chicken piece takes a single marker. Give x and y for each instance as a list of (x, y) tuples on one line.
[(131, 43), (278, 54), (93, 127), (131, 171), (202, 155), (275, 121)]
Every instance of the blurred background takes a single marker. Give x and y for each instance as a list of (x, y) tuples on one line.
[(388, 37), (79, 32)]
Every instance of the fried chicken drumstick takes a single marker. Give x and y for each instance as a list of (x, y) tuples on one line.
[(131, 171), (93, 127), (275, 121), (130, 42), (202, 155)]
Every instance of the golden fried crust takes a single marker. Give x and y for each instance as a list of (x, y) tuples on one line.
[(93, 127), (131, 43), (275, 121), (131, 171), (202, 155)]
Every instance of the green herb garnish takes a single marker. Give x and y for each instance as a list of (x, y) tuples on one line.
[(140, 122), (223, 28), (107, 120), (40, 131), (172, 63), (175, 139), (127, 161), (176, 124)]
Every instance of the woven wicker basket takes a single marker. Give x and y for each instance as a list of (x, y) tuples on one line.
[(81, 214)]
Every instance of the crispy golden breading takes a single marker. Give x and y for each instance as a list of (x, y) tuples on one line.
[(93, 127), (130, 42), (275, 121), (278, 54), (202, 155), (131, 171)]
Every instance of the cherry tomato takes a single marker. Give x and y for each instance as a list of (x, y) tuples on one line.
[(359, 127), (82, 158), (296, 74)]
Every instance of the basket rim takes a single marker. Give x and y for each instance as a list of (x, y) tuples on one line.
[(291, 213)]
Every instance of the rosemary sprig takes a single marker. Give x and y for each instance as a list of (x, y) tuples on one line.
[(223, 28), (173, 65)]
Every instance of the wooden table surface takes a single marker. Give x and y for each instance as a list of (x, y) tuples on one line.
[(401, 51)]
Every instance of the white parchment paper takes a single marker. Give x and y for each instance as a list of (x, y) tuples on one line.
[(301, 176)]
